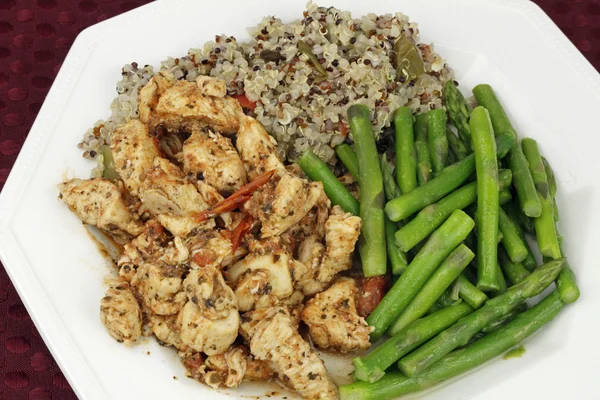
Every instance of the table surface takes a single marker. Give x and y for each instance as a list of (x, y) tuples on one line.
[(35, 36)]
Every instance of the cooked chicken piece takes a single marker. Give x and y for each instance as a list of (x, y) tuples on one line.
[(313, 224), (166, 330), (150, 94), (174, 201), (212, 157), (213, 249), (227, 369), (133, 151), (210, 86), (273, 337), (121, 315), (341, 233), (283, 202), (294, 300), (99, 202), (158, 288), (310, 254), (263, 277), (332, 319), (212, 197), (256, 148), (210, 319), (351, 184), (184, 105)]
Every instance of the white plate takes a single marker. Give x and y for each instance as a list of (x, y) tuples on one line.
[(549, 89)]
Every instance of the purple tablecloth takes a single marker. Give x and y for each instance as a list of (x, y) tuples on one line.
[(35, 36)]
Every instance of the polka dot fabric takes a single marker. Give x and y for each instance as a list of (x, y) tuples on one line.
[(35, 36)]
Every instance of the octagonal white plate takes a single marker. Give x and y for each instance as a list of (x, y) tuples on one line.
[(549, 89)]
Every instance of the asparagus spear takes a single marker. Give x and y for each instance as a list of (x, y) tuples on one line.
[(514, 271), (438, 142), (458, 111), (504, 196), (515, 214), (372, 247), (459, 333), (500, 322), (422, 149), (432, 216), (487, 199), (469, 293), (394, 384), (390, 189), (457, 146), (317, 170), (397, 257), (511, 241), (551, 186), (536, 165), (371, 367), (348, 158), (406, 159), (441, 279), (439, 245), (501, 281)]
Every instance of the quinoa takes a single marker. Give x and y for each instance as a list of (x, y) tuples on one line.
[(298, 106)]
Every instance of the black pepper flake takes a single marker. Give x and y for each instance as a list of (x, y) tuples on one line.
[(217, 50), (367, 62), (353, 40), (312, 376), (200, 176), (204, 61), (335, 63), (456, 83), (264, 31)]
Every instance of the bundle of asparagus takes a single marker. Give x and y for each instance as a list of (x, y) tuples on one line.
[(453, 233)]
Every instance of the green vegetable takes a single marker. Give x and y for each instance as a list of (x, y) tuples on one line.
[(469, 293), (437, 248), (438, 141), (372, 245), (459, 333), (408, 62), (458, 111), (348, 158), (422, 149), (317, 170), (457, 146), (390, 188), (397, 257), (511, 238), (110, 171), (371, 367), (500, 322), (514, 271), (321, 72), (394, 384), (406, 159), (441, 279), (504, 197), (515, 214), (487, 199), (536, 165)]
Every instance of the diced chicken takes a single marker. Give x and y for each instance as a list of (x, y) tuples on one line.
[(121, 315), (99, 202), (133, 151), (184, 104), (332, 319), (158, 288), (210, 86), (312, 224), (273, 337), (283, 202), (263, 277), (174, 201), (213, 249), (341, 233), (150, 94), (166, 330), (310, 254), (257, 149), (210, 319), (212, 157)]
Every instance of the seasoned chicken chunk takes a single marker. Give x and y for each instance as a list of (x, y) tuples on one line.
[(210, 319), (332, 319), (99, 202), (158, 288), (341, 233), (212, 197), (121, 315), (184, 104), (150, 94), (310, 254), (213, 249), (133, 151), (165, 328), (272, 336), (283, 202), (211, 86), (174, 201), (257, 149), (212, 157), (263, 277)]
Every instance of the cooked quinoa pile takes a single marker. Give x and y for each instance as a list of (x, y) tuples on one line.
[(277, 80)]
